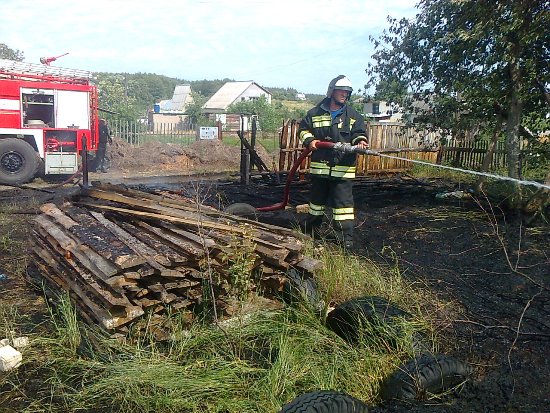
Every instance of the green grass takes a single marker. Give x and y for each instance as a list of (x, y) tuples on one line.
[(269, 141), (251, 365)]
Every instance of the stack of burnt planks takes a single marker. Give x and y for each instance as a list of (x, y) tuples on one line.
[(122, 254)]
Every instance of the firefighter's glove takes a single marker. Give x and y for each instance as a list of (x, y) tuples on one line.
[(313, 145), (363, 145)]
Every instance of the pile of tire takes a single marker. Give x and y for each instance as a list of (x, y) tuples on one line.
[(419, 378)]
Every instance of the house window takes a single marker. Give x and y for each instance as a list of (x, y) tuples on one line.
[(376, 108), (242, 98)]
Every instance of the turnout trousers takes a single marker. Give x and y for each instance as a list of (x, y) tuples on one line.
[(336, 194)]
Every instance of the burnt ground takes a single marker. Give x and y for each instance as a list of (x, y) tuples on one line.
[(470, 252)]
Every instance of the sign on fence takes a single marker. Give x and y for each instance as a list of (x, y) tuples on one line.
[(208, 132)]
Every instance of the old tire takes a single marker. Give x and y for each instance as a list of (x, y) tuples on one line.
[(18, 161), (325, 402), (242, 210), (299, 288), (349, 318), (425, 375)]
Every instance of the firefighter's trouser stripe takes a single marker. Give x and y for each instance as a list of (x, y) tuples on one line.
[(343, 214), (316, 210)]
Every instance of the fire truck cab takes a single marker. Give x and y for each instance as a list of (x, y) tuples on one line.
[(47, 114)]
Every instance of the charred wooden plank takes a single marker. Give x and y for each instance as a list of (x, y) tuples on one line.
[(109, 318), (95, 262), (196, 241), (150, 255), (76, 274), (94, 235), (165, 255), (174, 241)]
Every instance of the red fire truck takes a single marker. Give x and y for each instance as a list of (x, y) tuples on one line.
[(46, 113)]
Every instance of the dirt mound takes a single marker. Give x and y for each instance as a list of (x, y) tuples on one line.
[(211, 155)]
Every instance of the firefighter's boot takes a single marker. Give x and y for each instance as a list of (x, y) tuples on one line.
[(344, 234), (311, 225)]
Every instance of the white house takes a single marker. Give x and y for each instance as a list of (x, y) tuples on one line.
[(233, 92), (382, 111)]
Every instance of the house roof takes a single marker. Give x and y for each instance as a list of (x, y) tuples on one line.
[(228, 93), (178, 101)]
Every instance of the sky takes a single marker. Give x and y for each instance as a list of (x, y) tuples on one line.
[(301, 44)]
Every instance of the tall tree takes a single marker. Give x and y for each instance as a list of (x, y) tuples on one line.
[(464, 56), (391, 90)]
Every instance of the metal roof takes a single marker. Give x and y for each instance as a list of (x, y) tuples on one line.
[(179, 99)]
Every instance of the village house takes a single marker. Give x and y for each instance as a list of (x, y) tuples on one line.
[(233, 92), (170, 114)]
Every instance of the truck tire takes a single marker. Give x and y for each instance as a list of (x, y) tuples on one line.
[(347, 319), (18, 161), (424, 375), (325, 402)]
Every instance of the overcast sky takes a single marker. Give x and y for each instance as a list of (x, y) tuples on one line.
[(300, 44)]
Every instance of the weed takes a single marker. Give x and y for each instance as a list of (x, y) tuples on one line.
[(257, 364)]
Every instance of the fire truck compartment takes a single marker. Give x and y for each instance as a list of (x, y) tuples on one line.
[(60, 163), (55, 108)]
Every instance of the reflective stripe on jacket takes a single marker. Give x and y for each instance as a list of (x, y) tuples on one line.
[(348, 127)]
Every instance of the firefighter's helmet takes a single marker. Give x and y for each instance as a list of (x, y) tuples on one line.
[(339, 83)]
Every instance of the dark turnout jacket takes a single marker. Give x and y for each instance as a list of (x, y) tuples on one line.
[(347, 127)]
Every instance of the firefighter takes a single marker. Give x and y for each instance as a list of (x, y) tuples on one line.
[(332, 172), (104, 138)]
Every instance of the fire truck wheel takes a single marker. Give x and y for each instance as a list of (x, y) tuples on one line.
[(18, 161)]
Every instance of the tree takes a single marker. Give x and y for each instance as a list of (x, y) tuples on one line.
[(391, 90), (194, 110), (114, 97), (270, 115), (464, 56), (7, 52)]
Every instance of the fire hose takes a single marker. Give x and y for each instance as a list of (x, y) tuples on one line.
[(338, 146)]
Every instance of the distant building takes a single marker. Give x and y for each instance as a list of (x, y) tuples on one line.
[(300, 96), (382, 111), (170, 114), (233, 92)]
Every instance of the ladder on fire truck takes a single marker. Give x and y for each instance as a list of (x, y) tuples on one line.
[(22, 70)]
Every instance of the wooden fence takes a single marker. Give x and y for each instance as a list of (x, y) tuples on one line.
[(470, 155), (389, 138)]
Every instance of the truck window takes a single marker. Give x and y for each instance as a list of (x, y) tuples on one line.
[(38, 108)]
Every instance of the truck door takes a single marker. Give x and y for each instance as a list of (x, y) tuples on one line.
[(72, 109)]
